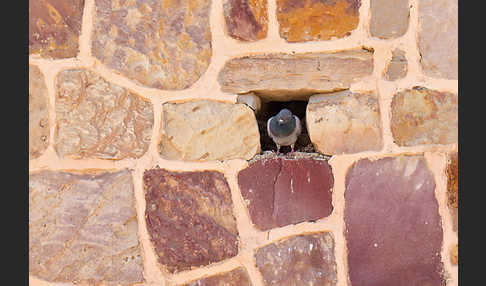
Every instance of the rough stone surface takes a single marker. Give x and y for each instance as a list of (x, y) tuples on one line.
[(299, 261), (160, 44), (204, 130), (285, 77), (344, 122), (99, 119), (313, 20), (397, 66), (438, 37), (424, 116), (452, 188), (389, 18), (38, 113), (54, 27), (237, 277), (246, 20), (189, 218), (281, 191), (454, 254), (393, 228), (83, 228), (251, 100)]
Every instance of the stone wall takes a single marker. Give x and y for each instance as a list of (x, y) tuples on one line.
[(149, 161)]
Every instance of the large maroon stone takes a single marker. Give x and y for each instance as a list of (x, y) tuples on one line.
[(189, 218), (237, 277), (393, 227), (299, 261), (281, 191)]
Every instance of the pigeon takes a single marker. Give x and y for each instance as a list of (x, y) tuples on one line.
[(284, 128)]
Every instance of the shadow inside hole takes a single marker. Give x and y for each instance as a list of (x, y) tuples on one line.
[(271, 108)]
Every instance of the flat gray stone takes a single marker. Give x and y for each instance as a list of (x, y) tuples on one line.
[(389, 18), (83, 228)]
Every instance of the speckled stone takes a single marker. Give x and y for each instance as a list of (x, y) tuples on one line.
[(453, 187), (344, 122), (246, 20), (397, 67), (314, 20), (54, 27), (237, 277), (279, 192), (424, 116), (38, 113), (204, 130), (284, 77), (160, 44), (299, 261), (438, 37), (83, 228), (389, 18), (99, 119), (393, 228), (189, 218)]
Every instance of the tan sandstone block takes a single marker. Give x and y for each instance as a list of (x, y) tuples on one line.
[(344, 122), (424, 116), (38, 113), (208, 130), (284, 77)]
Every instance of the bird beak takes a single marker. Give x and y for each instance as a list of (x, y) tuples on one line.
[(280, 121)]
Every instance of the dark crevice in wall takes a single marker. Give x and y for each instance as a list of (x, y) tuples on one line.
[(271, 108)]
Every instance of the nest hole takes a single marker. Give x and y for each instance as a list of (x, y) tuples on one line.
[(271, 108)]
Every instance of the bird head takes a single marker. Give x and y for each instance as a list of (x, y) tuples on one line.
[(284, 116)]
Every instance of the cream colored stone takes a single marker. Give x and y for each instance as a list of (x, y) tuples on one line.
[(344, 122), (251, 100), (205, 130), (284, 77)]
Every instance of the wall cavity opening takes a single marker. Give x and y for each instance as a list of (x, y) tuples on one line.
[(271, 108)]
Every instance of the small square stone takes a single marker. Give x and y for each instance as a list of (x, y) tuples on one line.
[(299, 261)]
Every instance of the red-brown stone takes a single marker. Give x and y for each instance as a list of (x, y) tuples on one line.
[(189, 218), (281, 191), (393, 227), (54, 27), (237, 277), (246, 19)]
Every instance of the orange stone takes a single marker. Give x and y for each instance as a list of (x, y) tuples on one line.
[(311, 20)]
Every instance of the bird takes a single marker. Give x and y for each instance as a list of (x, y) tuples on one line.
[(284, 129)]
